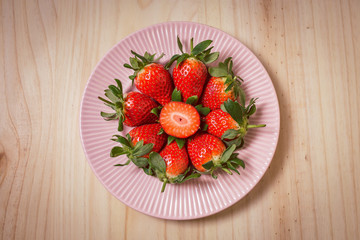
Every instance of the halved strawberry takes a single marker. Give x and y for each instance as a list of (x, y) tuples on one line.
[(151, 78), (132, 109), (231, 122), (223, 85), (190, 72), (208, 153), (171, 165), (179, 119)]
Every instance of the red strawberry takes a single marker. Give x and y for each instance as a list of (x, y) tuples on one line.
[(149, 133), (132, 109), (231, 121), (139, 143), (179, 119), (223, 85), (190, 72), (151, 78), (171, 165), (208, 152), (176, 159)]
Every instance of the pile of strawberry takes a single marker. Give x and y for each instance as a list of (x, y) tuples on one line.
[(175, 138)]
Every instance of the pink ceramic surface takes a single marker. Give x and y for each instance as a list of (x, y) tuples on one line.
[(195, 198)]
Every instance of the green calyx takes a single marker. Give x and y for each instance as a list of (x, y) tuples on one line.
[(200, 52), (115, 102), (138, 62), (176, 97), (241, 115), (158, 165), (228, 162), (179, 141), (233, 82), (134, 153)]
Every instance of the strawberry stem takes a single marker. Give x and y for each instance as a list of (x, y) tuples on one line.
[(256, 126), (164, 185)]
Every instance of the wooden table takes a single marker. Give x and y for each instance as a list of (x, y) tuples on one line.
[(311, 51)]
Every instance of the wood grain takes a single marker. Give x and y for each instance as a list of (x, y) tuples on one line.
[(310, 49)]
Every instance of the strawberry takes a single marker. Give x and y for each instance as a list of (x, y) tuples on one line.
[(139, 142), (231, 122), (223, 85), (132, 109), (190, 72), (171, 165), (149, 133), (208, 153), (151, 78), (179, 119)]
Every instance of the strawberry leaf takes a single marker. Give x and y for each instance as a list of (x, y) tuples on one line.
[(120, 165), (227, 153), (110, 95), (223, 108), (157, 59), (237, 162), (117, 151), (200, 47), (106, 102), (205, 127), (138, 145), (157, 162), (192, 176), (230, 134), (128, 137), (143, 150), (242, 164), (128, 66), (176, 95), (229, 88), (121, 120), (252, 102), (226, 62), (226, 170), (179, 178), (161, 131), (118, 82), (242, 96), (140, 161), (173, 58), (148, 171), (191, 100), (208, 165), (145, 61), (181, 59), (212, 57), (170, 139), (202, 110), (252, 110), (180, 44), (180, 142), (217, 72), (155, 111), (134, 63), (233, 108), (228, 80), (122, 140), (239, 142), (108, 116)]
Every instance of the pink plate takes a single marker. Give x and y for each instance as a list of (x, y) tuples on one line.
[(195, 198)]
